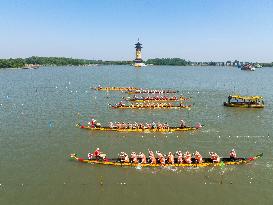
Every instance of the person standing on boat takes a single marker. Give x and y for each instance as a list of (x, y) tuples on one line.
[(198, 157), (233, 155)]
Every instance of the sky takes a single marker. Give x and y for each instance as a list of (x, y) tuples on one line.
[(196, 30)]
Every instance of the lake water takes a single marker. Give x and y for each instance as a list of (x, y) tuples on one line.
[(39, 110)]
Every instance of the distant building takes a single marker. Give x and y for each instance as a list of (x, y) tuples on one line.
[(138, 62)]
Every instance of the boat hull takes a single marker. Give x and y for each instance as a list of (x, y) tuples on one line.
[(208, 162), (243, 105), (155, 107), (174, 129)]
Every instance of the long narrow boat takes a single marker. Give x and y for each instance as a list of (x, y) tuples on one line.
[(156, 99), (171, 129), (245, 101), (151, 107), (152, 91), (116, 88), (207, 162)]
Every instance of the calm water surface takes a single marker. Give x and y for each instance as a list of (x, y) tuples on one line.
[(39, 110)]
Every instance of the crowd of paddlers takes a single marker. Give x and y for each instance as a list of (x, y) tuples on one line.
[(156, 98), (149, 105), (135, 125), (159, 158)]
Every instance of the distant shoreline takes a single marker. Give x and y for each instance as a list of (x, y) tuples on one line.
[(35, 62)]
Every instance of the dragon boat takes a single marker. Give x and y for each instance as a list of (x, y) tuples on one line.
[(145, 106), (145, 129), (152, 91), (116, 88), (206, 162), (156, 99), (245, 101)]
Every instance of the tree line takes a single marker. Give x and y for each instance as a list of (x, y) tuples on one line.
[(62, 61), (55, 61)]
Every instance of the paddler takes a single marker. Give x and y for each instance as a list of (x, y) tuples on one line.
[(111, 125), (198, 125), (198, 157), (97, 153), (161, 158), (152, 157), (179, 157), (170, 158), (143, 158), (183, 124), (134, 157), (214, 157), (188, 157), (233, 155), (124, 157), (154, 125), (89, 155), (92, 123)]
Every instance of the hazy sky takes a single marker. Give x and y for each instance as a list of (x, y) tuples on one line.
[(197, 30)]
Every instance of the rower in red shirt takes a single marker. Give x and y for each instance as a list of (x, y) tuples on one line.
[(97, 153)]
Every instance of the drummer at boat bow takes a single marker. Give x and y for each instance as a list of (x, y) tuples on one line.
[(97, 154)]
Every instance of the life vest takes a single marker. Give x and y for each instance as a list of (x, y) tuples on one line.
[(188, 158), (199, 158), (143, 159), (162, 160), (180, 158), (126, 159), (153, 160), (134, 158), (215, 158), (171, 159)]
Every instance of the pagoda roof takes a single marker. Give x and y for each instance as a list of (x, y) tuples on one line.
[(138, 45)]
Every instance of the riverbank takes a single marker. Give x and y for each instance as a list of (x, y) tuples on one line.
[(35, 61)]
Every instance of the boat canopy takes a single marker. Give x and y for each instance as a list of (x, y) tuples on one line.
[(246, 97)]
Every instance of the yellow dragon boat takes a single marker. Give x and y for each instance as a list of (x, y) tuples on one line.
[(245, 101), (170, 129), (116, 88), (144, 106), (206, 162), (154, 99), (152, 91)]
